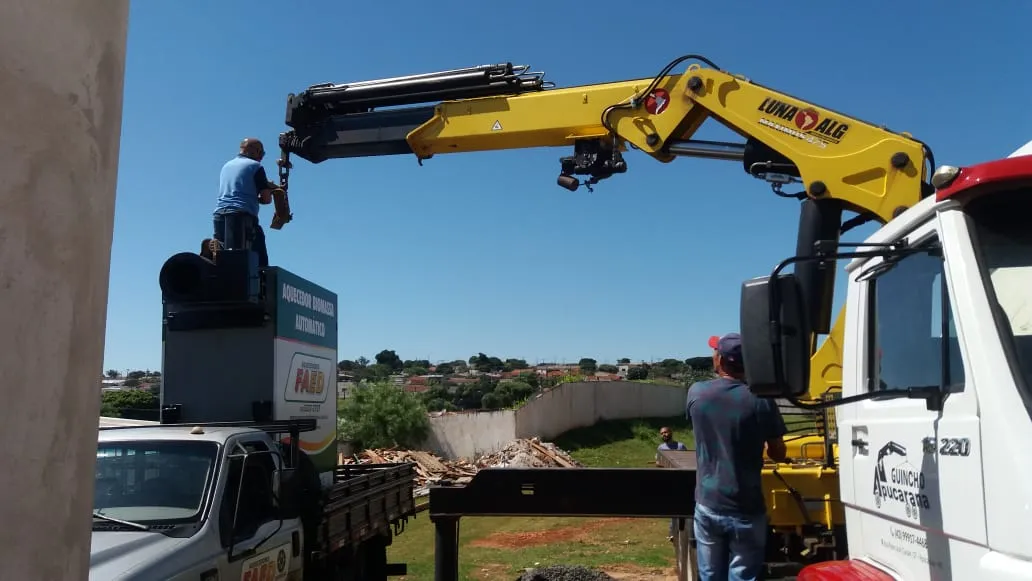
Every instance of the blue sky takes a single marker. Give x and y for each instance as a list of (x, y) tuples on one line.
[(482, 251)]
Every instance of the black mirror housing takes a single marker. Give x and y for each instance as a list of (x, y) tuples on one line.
[(768, 372)]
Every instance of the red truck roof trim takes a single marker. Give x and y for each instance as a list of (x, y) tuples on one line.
[(975, 178), (842, 571)]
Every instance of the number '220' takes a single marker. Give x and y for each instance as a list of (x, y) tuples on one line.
[(954, 446)]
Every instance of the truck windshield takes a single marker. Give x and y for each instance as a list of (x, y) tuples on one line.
[(153, 482), (1003, 242)]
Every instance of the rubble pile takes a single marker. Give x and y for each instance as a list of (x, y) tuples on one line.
[(564, 573), (531, 453), (431, 469)]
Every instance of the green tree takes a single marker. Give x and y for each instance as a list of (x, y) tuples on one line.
[(129, 403), (701, 363), (346, 365), (606, 368), (668, 368), (376, 372), (469, 396), (380, 415), (481, 362), (512, 392), (445, 369), (588, 365), (111, 373), (624, 361), (491, 401), (437, 397), (514, 364), (691, 375), (389, 358), (638, 373), (439, 403), (532, 379), (131, 382)]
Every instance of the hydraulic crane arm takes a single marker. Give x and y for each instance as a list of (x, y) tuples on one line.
[(842, 163), (875, 172)]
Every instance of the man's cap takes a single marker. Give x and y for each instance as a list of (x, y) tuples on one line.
[(728, 346)]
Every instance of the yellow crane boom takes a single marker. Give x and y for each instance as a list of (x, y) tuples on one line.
[(841, 163)]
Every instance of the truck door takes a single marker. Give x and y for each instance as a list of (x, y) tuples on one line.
[(258, 545), (917, 474)]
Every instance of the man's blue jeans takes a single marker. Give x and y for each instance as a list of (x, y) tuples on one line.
[(729, 547), (236, 230)]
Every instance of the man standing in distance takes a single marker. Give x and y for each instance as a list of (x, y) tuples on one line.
[(731, 427), (669, 443), (243, 185)]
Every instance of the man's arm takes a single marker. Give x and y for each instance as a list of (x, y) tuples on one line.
[(774, 427), (264, 186)]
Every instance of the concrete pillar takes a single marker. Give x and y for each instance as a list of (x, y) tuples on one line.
[(61, 75)]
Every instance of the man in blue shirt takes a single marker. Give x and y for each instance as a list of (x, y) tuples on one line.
[(243, 185), (731, 426), (668, 443)]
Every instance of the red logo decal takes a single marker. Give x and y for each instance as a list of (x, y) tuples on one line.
[(806, 119), (657, 101)]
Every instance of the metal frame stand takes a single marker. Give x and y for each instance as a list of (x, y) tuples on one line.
[(687, 564), (544, 492)]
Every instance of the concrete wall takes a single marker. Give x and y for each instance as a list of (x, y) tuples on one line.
[(568, 406), (577, 405), (470, 434)]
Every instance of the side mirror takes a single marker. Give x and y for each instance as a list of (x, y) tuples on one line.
[(772, 370)]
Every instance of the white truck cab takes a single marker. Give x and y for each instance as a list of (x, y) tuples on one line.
[(180, 502), (936, 400)]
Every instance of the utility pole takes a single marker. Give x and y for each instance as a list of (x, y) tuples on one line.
[(61, 73)]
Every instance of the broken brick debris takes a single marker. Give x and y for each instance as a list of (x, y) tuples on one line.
[(431, 469)]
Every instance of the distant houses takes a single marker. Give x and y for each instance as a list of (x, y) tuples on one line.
[(553, 372)]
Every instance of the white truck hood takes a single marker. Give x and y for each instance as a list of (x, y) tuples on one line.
[(118, 554)]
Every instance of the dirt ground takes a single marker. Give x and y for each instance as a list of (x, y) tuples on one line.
[(634, 573), (547, 537), (589, 533), (622, 572)]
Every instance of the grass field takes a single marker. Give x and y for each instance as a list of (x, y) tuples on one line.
[(499, 548)]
